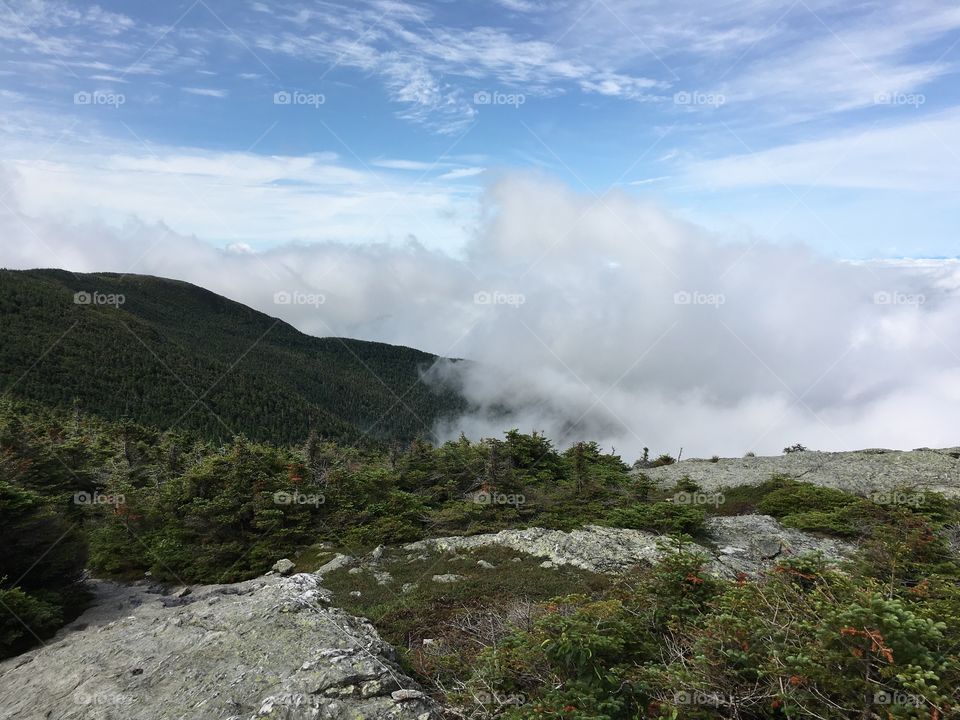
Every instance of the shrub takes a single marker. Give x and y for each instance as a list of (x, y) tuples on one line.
[(664, 459), (25, 619), (662, 517)]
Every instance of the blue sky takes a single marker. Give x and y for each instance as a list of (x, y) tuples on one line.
[(260, 123)]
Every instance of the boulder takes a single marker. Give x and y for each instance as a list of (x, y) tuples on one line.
[(283, 567)]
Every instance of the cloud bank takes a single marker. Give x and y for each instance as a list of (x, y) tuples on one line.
[(602, 318)]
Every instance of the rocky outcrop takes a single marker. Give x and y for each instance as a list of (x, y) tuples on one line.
[(745, 543), (862, 472), (266, 648)]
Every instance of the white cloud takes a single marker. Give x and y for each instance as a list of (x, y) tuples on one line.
[(922, 154), (610, 320), (231, 197), (206, 92), (400, 164), (462, 173)]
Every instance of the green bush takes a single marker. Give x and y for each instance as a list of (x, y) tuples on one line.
[(665, 518), (25, 620)]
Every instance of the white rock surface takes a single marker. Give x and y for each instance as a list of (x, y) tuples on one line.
[(265, 648), (862, 472), (745, 543)]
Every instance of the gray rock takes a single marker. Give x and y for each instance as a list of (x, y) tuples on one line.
[(403, 695), (283, 567), (862, 472), (485, 565), (407, 587), (269, 648), (747, 543), (339, 561)]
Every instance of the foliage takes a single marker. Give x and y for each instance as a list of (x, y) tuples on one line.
[(42, 561), (141, 360), (801, 641)]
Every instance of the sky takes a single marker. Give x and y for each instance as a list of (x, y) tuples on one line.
[(728, 226), (834, 124)]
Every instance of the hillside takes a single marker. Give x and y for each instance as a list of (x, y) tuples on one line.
[(177, 356)]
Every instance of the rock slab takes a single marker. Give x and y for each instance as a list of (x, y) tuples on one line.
[(861, 472), (265, 648), (744, 543)]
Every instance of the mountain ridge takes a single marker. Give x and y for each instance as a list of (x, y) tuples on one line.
[(131, 351)]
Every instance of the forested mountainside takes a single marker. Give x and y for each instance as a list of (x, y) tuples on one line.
[(176, 356)]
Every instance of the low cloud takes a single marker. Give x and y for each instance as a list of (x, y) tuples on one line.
[(606, 319)]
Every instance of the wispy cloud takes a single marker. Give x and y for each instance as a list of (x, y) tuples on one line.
[(206, 92), (918, 155), (460, 173)]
